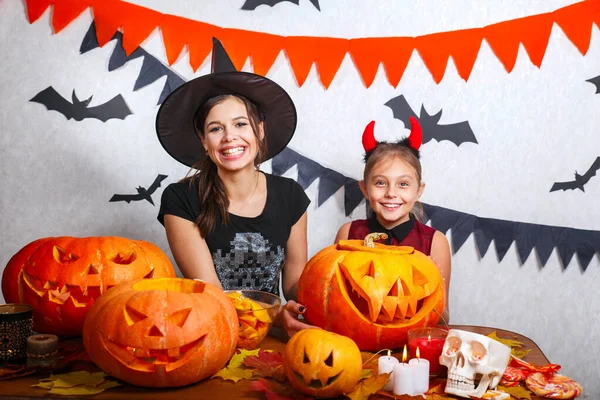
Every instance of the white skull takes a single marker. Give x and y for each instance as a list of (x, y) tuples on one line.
[(470, 357)]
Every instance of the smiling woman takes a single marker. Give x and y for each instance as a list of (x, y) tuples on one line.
[(229, 223)]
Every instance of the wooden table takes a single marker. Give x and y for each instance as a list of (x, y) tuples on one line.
[(20, 389)]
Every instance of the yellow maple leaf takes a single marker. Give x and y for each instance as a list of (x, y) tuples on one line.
[(235, 370), (77, 378), (508, 342), (518, 392), (519, 353), (367, 387)]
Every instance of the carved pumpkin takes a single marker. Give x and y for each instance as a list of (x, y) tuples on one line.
[(373, 295), (62, 277), (164, 332), (322, 364)]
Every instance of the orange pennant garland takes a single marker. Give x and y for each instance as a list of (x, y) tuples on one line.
[(504, 38), (462, 45), (65, 11)]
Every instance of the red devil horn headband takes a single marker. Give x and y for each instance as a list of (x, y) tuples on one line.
[(414, 139)]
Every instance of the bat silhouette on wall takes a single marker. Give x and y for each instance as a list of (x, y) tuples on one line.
[(580, 180), (79, 110), (142, 192), (596, 82), (457, 133), (252, 4)]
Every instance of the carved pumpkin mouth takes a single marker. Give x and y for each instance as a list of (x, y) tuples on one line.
[(316, 383), (380, 297), (150, 360)]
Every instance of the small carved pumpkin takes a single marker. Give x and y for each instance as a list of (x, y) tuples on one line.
[(163, 332), (62, 277), (322, 364), (373, 295)]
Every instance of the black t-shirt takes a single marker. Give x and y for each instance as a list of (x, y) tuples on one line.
[(248, 253)]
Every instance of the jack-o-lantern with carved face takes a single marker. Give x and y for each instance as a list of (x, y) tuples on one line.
[(165, 332), (373, 295), (322, 364), (62, 277)]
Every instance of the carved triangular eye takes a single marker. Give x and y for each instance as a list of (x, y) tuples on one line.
[(329, 361), (63, 256), (123, 258), (133, 316), (179, 317), (92, 269), (154, 331), (306, 359)]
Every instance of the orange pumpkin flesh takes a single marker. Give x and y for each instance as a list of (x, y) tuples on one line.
[(165, 332), (322, 364), (62, 277), (372, 295)]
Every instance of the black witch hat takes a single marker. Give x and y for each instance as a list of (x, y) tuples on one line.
[(175, 118)]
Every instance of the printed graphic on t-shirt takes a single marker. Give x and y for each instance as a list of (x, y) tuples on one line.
[(253, 263)]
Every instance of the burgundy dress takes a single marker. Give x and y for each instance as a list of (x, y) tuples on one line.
[(410, 233)]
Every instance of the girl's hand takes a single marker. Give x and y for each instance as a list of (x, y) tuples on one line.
[(288, 318)]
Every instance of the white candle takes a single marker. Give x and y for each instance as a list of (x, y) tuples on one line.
[(386, 365), (420, 374), (403, 377)]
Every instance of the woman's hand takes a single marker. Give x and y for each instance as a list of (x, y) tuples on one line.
[(288, 318)]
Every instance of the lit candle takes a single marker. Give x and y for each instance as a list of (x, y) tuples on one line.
[(420, 374), (430, 341), (403, 376), (386, 365)]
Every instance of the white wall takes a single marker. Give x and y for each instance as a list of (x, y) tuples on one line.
[(534, 127)]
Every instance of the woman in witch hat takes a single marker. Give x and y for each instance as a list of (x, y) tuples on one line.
[(229, 223)]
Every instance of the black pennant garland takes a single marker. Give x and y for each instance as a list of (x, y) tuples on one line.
[(152, 69), (543, 238)]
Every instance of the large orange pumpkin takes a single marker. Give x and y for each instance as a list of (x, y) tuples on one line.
[(373, 295), (164, 332), (61, 277)]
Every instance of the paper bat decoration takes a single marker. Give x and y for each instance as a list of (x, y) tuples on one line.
[(79, 110), (580, 180), (457, 133), (142, 192), (252, 4), (596, 82)]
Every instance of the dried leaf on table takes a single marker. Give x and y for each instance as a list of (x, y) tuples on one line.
[(519, 353), (76, 383), (276, 391), (15, 371), (367, 387), (268, 364), (517, 392), (437, 388), (369, 360), (508, 342), (365, 373), (235, 370), (83, 390)]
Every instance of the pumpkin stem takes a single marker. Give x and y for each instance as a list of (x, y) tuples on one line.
[(371, 237)]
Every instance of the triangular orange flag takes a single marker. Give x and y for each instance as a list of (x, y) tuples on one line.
[(463, 45), (138, 23), (263, 48), (106, 21), (35, 9), (576, 22), (327, 53), (394, 52), (178, 32), (65, 11), (533, 32)]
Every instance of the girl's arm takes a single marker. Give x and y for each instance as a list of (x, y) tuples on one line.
[(343, 232), (440, 253), (296, 257), (190, 250)]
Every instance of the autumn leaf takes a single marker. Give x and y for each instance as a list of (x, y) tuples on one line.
[(519, 353), (437, 389), (276, 391), (83, 390), (235, 370), (518, 392), (369, 360), (368, 386), (76, 383), (268, 364), (365, 373)]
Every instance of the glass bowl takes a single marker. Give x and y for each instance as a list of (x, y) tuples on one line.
[(256, 312)]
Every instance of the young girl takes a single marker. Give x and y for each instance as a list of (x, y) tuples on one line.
[(392, 185)]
